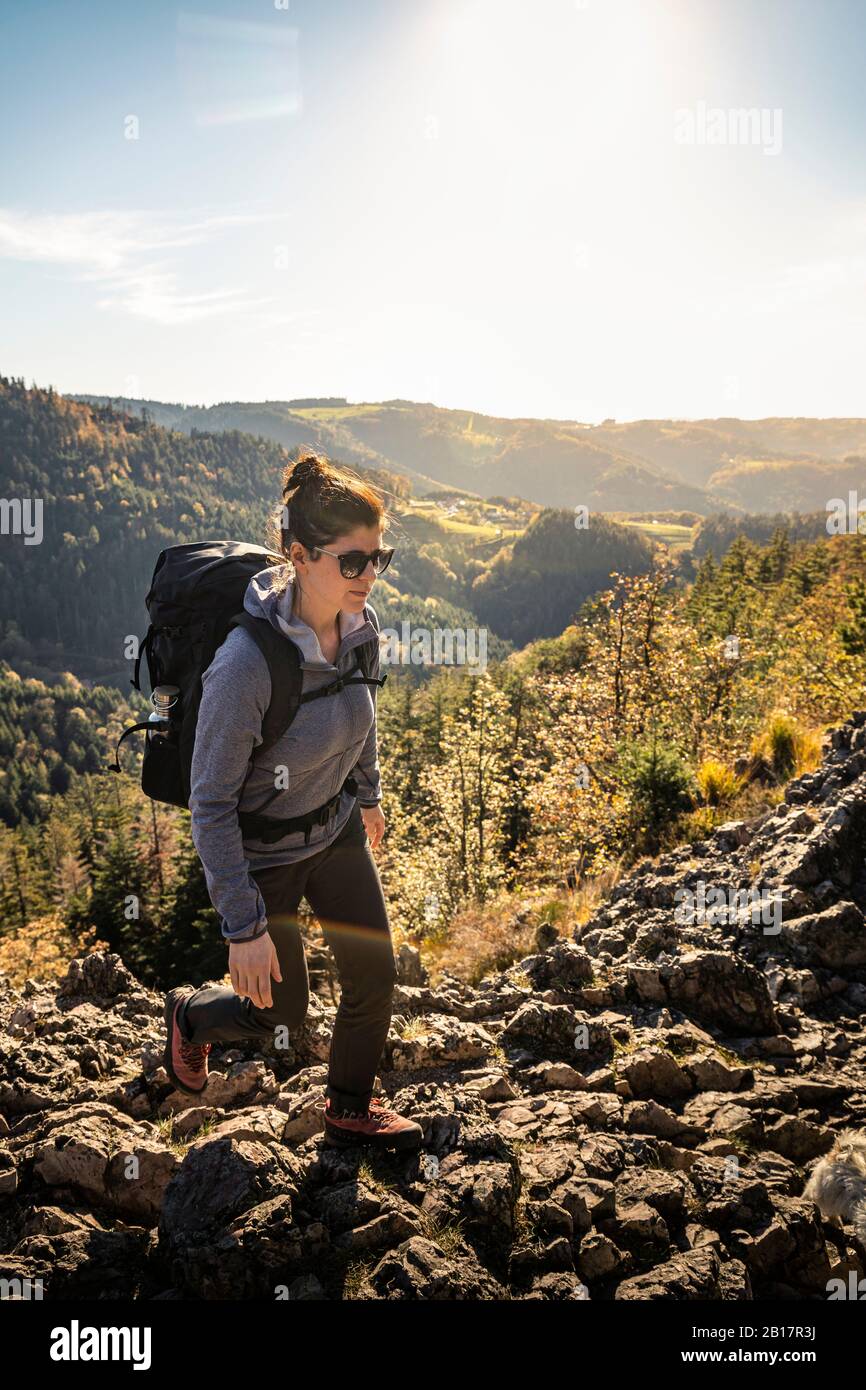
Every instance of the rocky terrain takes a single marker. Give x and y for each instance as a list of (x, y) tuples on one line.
[(631, 1112)]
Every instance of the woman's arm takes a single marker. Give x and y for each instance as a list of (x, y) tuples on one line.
[(236, 691)]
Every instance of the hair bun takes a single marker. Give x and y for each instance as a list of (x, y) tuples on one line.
[(305, 468)]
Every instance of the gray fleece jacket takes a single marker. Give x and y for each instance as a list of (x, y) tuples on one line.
[(327, 739)]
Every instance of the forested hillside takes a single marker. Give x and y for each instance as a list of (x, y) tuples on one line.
[(116, 489), (715, 534), (637, 465)]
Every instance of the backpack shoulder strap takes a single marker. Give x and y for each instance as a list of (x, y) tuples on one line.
[(367, 651), (286, 676)]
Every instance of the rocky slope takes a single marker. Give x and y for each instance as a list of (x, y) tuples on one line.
[(631, 1112)]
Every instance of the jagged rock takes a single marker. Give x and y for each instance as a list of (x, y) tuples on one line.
[(719, 1115), (104, 1156), (203, 1226), (242, 1081), (257, 1255), (835, 938), (710, 1072), (558, 1288), (102, 974), (360, 1219), (479, 1194), (652, 1072), (83, 1264), (666, 1193), (444, 1040), (8, 1174), (262, 1122), (563, 967), (531, 1118), (306, 1286), (54, 1221), (789, 1240), (797, 1138), (410, 969), (732, 834), (599, 1257), (544, 1256), (304, 1115), (419, 1268), (490, 1085), (550, 1076), (648, 1117), (551, 1028), (717, 988), (545, 1166), (34, 1076), (386, 1229), (596, 1110), (550, 1218), (186, 1122), (639, 1229), (694, 1275)]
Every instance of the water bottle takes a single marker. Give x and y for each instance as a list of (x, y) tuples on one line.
[(163, 698)]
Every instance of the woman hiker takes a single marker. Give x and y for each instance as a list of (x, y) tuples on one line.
[(331, 530)]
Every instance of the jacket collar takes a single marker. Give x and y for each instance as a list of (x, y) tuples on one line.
[(261, 600)]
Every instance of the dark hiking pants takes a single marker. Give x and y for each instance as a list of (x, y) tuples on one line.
[(341, 883)]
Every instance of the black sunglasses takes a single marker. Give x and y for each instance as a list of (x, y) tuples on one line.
[(354, 562)]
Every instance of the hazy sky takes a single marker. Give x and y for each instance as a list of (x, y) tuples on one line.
[(539, 209)]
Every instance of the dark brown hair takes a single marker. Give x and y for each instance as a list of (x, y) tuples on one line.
[(320, 502)]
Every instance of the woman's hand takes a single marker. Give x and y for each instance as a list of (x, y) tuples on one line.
[(251, 965), (374, 824)]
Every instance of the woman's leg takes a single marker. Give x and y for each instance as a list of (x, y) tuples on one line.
[(217, 1014), (345, 893)]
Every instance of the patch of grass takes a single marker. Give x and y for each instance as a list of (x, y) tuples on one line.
[(676, 537), (521, 980), (789, 748), (180, 1143), (719, 785), (696, 1208), (697, 825), (415, 1028), (555, 911), (356, 1280), (366, 1175), (744, 1146), (482, 939), (448, 1235), (808, 751), (522, 1230), (332, 412), (591, 893)]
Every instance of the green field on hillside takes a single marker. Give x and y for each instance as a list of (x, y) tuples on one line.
[(674, 536)]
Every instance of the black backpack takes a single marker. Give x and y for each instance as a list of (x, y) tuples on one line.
[(195, 599)]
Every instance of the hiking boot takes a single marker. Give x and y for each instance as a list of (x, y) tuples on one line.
[(383, 1128), (185, 1062)]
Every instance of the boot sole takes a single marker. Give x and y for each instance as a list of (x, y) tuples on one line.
[(173, 998), (407, 1140)]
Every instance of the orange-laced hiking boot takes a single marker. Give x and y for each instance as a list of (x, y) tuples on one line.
[(383, 1128), (185, 1062)]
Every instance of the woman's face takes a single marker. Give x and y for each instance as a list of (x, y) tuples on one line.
[(323, 576)]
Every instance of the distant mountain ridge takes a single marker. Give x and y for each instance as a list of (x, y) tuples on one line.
[(641, 465)]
